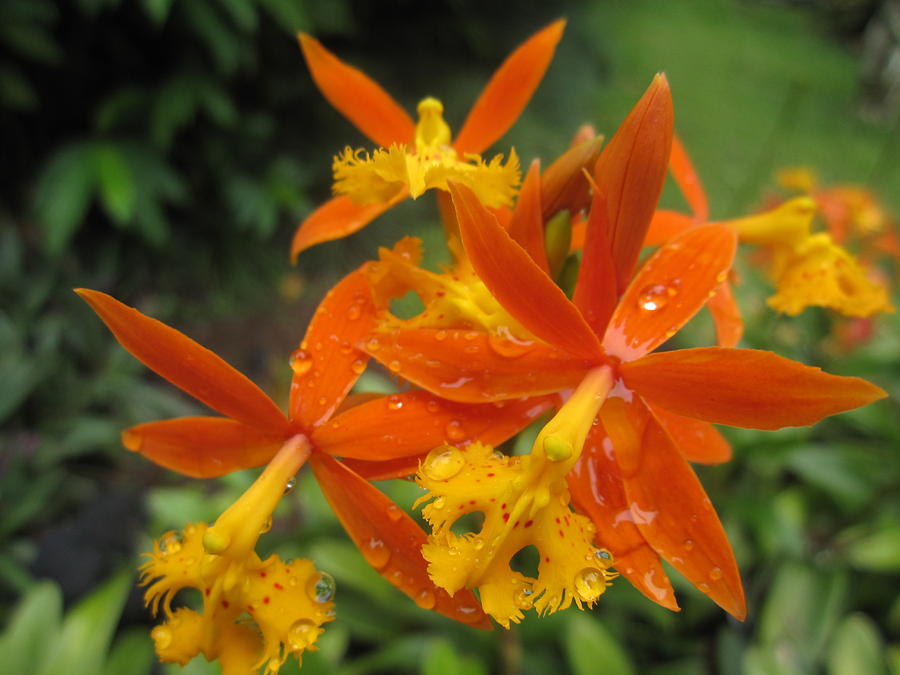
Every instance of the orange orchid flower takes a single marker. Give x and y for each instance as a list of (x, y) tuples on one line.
[(431, 160), (655, 410), (381, 438)]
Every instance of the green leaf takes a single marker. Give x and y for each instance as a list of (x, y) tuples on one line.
[(15, 89), (441, 658), (290, 15), (158, 10), (587, 643), (857, 648), (64, 190), (32, 629), (132, 654), (117, 189), (87, 630), (878, 551)]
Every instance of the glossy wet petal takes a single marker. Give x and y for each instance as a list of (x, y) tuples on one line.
[(596, 293), (329, 361), (186, 364), (357, 96), (631, 171), (526, 225), (390, 540), (523, 288), (688, 180), (744, 387), (509, 90), (696, 440), (669, 289)]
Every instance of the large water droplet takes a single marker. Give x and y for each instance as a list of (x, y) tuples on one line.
[(321, 588), (590, 584), (377, 554), (300, 362), (302, 634), (443, 463), (425, 599), (455, 431), (504, 343), (657, 296), (290, 485)]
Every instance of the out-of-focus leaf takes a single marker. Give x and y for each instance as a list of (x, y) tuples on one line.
[(835, 471), (132, 654), (30, 40), (587, 643), (878, 551), (158, 10), (21, 503), (63, 193), (242, 13), (289, 14), (222, 43), (441, 659), (123, 105), (15, 89), (218, 105), (87, 630), (33, 627), (857, 648), (116, 183)]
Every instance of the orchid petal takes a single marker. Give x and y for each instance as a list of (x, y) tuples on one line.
[(665, 226), (390, 541), (669, 289), (697, 441), (744, 387), (186, 364), (564, 185), (526, 226), (726, 315), (203, 447), (357, 96), (688, 181), (523, 288), (631, 171), (329, 362), (508, 91), (595, 291)]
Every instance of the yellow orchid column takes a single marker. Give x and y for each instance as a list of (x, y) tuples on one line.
[(255, 612), (525, 501)]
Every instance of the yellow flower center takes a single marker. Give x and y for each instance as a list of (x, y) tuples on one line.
[(524, 502), (255, 612), (426, 163)]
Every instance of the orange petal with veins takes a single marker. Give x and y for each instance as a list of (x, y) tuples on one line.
[(669, 505), (523, 288), (337, 218), (509, 90), (744, 387), (526, 226), (405, 467), (329, 361), (697, 441), (186, 364), (203, 447), (390, 541), (688, 181), (596, 294), (597, 490), (474, 367), (412, 423), (669, 289), (631, 171), (665, 226), (357, 96), (726, 316), (563, 184)]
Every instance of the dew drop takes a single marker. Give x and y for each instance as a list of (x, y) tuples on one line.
[(715, 573), (358, 366), (688, 545), (432, 406), (394, 512), (478, 543), (290, 485), (394, 366), (354, 312), (440, 335), (302, 634), (590, 584), (322, 400), (266, 526), (162, 637), (346, 347), (425, 599), (524, 599), (394, 402), (377, 554), (373, 345), (504, 344), (455, 431), (171, 543), (321, 588), (703, 588), (603, 555), (443, 463), (656, 296), (300, 362), (471, 335)]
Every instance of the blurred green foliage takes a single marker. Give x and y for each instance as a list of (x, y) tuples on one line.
[(164, 150)]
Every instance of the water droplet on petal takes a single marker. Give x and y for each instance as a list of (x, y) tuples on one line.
[(603, 554), (703, 588), (376, 553), (290, 485), (266, 526), (425, 599), (300, 362), (373, 345), (715, 573), (432, 406), (302, 634), (688, 545), (524, 599), (454, 431), (443, 463), (346, 347), (394, 512), (354, 312), (171, 543), (394, 366), (440, 335), (590, 584), (358, 366), (657, 296), (321, 588), (478, 543), (394, 402)]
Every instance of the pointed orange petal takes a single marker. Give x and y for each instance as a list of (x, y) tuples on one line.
[(744, 387), (688, 181), (526, 226), (564, 185), (669, 289), (186, 364), (597, 490), (726, 315), (405, 467), (595, 291), (579, 234), (202, 447), (357, 96), (473, 367), (697, 441), (509, 90), (523, 288), (329, 361), (665, 226), (670, 507), (337, 218), (412, 423), (390, 540), (631, 171)]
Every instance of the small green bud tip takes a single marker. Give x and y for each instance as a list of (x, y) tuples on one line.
[(557, 449)]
